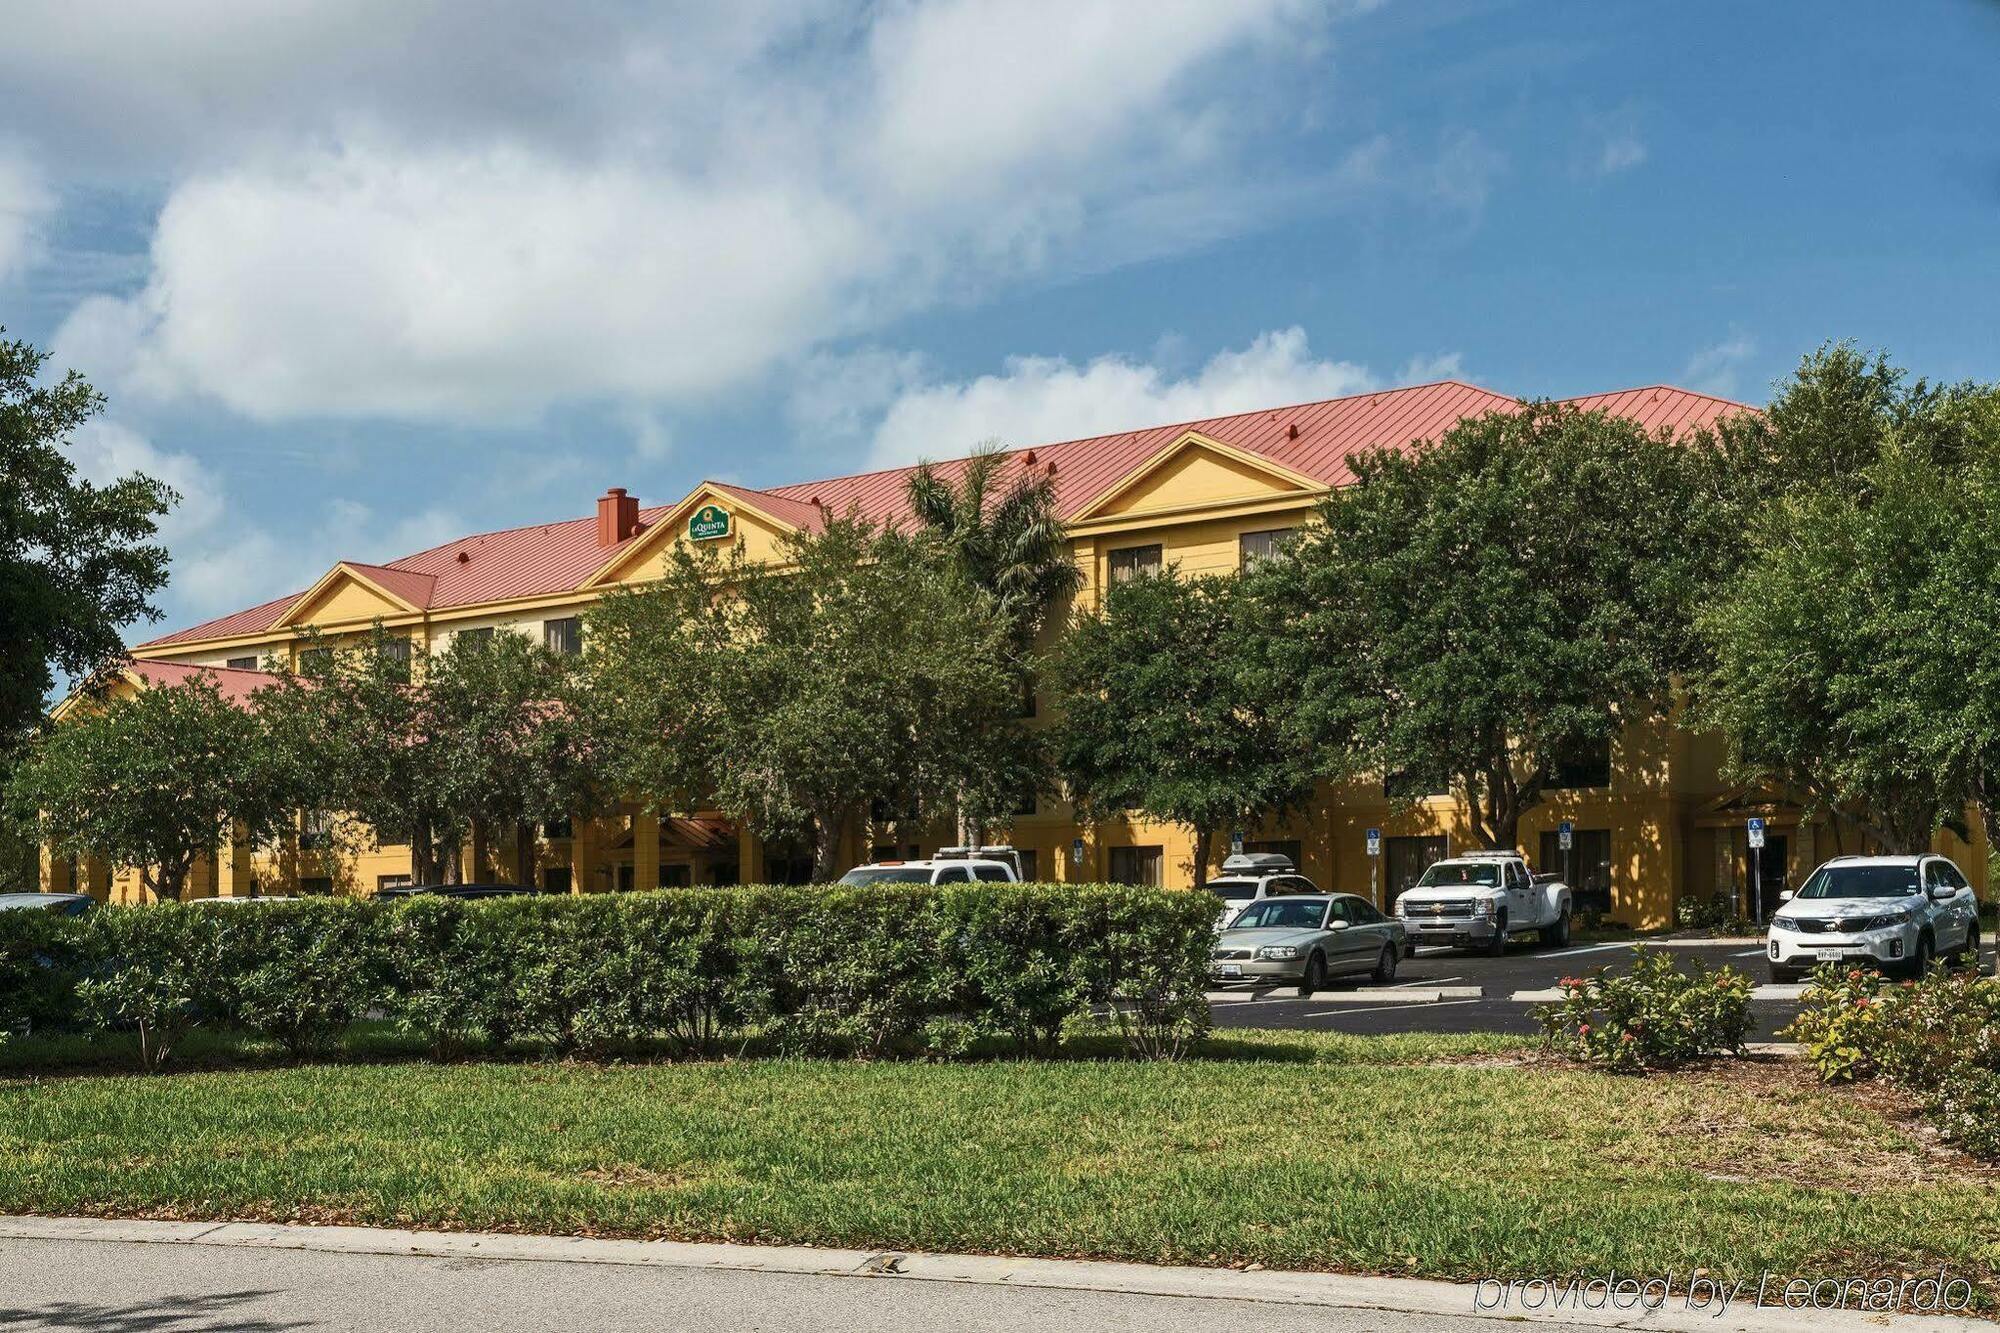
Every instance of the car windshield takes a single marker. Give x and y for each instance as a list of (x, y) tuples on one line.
[(1447, 874), (1861, 882), (1281, 913), (1233, 890), (887, 875)]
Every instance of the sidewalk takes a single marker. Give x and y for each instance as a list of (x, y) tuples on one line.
[(500, 1257)]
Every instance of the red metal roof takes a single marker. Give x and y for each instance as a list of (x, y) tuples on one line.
[(1315, 439), (236, 684), (413, 587)]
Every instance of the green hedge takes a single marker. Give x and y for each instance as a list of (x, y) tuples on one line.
[(881, 971)]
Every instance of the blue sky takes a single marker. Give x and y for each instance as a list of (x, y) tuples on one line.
[(366, 275)]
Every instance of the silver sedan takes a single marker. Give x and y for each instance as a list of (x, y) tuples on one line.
[(1307, 938)]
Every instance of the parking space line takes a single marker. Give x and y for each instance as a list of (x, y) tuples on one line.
[(1385, 1008), (1436, 981), (1587, 948), (1749, 953)]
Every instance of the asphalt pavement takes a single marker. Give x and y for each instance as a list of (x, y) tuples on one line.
[(1509, 988), (151, 1288)]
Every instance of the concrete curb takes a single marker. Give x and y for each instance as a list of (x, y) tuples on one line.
[(1328, 1290), (1767, 993)]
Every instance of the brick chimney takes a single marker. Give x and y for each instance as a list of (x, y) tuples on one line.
[(617, 516)]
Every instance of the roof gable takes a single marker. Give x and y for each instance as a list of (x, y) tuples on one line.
[(756, 520), (1197, 471), (354, 594)]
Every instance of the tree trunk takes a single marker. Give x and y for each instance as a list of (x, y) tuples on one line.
[(1204, 835), (423, 856), (827, 831)]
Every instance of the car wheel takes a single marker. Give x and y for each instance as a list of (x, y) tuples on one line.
[(1557, 935), (1498, 944), (1315, 977), (1385, 966), (1920, 960), (1969, 951)]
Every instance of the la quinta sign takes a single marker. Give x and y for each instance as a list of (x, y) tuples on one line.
[(708, 523)]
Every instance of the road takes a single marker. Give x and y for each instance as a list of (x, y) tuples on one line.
[(1524, 967), (138, 1287)]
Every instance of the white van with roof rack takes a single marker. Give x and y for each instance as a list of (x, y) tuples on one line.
[(1248, 876), (938, 870)]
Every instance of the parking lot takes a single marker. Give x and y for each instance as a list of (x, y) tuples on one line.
[(1441, 990)]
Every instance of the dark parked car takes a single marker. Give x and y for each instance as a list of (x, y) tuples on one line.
[(62, 904), (454, 891)]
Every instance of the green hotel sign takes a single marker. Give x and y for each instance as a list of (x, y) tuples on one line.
[(708, 523)]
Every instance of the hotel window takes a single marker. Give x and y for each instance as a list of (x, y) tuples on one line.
[(481, 635), (1135, 865), (554, 830), (1132, 562), (396, 657), (316, 886), (1253, 548), (1587, 766), (1030, 865), (555, 879), (315, 831), (563, 636), (241, 664), (315, 659), (1585, 867), (392, 882)]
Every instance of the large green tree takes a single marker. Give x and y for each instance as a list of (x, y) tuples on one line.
[(154, 781), (1856, 659), (1487, 607), (798, 693), (995, 521), (1170, 699), (486, 735), (77, 560)]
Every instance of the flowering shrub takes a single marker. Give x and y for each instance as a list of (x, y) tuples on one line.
[(1938, 1037), (1839, 1027), (1653, 1015)]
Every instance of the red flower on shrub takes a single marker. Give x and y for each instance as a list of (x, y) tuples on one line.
[(1583, 1029), (1628, 1037)]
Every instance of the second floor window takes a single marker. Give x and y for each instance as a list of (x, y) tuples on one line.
[(1253, 548), (315, 659), (241, 664), (563, 636), (1586, 766), (1134, 562), (396, 658), (484, 634)]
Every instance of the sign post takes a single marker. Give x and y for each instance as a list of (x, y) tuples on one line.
[(1076, 851), (1566, 841), (1235, 843), (1374, 861), (1756, 838)]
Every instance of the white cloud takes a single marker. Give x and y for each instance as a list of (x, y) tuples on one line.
[(1037, 399), (1621, 152), (442, 218), (1718, 368), (24, 202), (221, 563), (1431, 369)]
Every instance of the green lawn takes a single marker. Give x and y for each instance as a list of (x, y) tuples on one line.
[(1294, 1151)]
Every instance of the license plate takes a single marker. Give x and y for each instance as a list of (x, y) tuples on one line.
[(1232, 970), (1829, 955)]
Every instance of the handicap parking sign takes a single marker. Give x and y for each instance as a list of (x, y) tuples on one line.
[(1756, 832), (1374, 842), (1566, 834)]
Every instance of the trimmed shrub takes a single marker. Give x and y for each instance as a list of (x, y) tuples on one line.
[(448, 973), (301, 972), (1652, 1015), (156, 971), (873, 972), (40, 961)]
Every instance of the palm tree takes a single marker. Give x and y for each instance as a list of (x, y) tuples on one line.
[(997, 524)]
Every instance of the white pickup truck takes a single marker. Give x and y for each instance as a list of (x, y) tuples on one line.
[(1479, 899)]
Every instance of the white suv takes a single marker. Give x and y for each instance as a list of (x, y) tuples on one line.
[(1248, 876), (1894, 911), (941, 871)]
